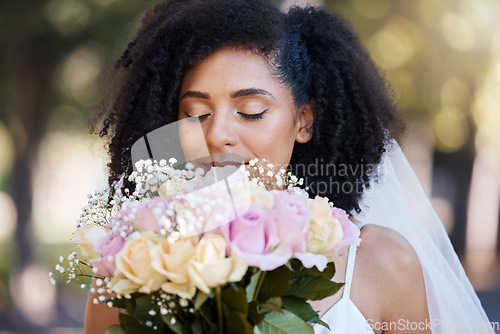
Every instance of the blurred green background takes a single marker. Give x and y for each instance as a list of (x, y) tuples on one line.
[(442, 57)]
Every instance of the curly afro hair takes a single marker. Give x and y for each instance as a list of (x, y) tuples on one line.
[(314, 52)]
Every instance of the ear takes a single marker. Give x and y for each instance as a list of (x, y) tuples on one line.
[(304, 122)]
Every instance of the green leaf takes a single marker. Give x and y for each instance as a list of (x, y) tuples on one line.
[(275, 283), (253, 314), (250, 289), (324, 324), (119, 303), (175, 327), (200, 298), (301, 308), (208, 312), (235, 299), (272, 304), (197, 327), (114, 329), (143, 305), (284, 323), (237, 323), (327, 273), (130, 305), (132, 325), (313, 288)]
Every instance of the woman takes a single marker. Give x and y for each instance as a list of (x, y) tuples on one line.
[(297, 89)]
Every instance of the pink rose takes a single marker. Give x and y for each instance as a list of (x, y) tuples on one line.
[(351, 231), (292, 219), (254, 237), (152, 215), (105, 266), (108, 246), (297, 191)]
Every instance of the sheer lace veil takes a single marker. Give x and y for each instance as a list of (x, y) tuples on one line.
[(398, 201)]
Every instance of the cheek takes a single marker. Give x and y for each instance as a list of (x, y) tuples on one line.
[(274, 140), (192, 140)]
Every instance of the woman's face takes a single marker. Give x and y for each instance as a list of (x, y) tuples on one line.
[(243, 109)]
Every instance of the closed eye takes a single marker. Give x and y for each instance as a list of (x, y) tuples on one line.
[(194, 118), (253, 116)]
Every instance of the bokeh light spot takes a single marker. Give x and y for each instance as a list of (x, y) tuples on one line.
[(450, 129), (34, 295), (80, 71), (458, 32), (69, 16), (392, 46), (67, 170), (455, 93)]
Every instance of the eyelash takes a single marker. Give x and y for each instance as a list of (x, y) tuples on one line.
[(247, 116), (253, 116), (197, 117)]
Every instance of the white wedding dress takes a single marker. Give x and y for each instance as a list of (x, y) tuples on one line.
[(397, 201), (344, 317)]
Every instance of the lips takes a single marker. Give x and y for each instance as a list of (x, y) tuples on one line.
[(226, 163)]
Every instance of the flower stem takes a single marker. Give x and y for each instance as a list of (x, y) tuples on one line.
[(218, 299), (259, 285)]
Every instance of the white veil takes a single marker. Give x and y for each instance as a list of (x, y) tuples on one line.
[(398, 201)]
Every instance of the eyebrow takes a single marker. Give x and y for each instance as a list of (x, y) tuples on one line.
[(195, 94), (251, 91), (238, 93)]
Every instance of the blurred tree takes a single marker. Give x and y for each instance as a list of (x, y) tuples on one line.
[(433, 53), (37, 36)]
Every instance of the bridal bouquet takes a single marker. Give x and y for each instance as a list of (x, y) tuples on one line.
[(224, 252)]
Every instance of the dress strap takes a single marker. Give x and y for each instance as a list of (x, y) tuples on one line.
[(351, 256)]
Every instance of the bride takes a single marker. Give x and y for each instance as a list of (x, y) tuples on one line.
[(299, 90)]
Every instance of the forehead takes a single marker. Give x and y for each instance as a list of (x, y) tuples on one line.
[(230, 67)]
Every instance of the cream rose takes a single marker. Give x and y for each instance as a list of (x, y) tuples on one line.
[(169, 259), (250, 193), (86, 238), (133, 263), (122, 285), (210, 267), (325, 231)]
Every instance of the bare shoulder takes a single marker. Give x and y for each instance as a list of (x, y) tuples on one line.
[(388, 265), (386, 249)]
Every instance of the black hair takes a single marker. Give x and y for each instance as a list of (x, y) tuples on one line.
[(314, 52)]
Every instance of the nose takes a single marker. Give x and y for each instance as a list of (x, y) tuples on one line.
[(220, 132)]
